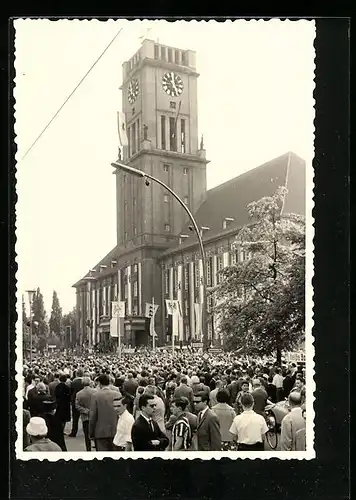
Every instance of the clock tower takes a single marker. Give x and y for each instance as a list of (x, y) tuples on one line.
[(159, 104)]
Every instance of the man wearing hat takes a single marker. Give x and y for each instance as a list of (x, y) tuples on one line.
[(37, 430)]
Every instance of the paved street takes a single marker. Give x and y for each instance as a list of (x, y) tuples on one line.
[(78, 444)]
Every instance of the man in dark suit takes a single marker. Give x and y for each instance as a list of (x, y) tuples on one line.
[(146, 434), (260, 397), (130, 385), (208, 426), (103, 416), (76, 386), (184, 391)]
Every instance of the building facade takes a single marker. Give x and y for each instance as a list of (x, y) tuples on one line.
[(157, 255)]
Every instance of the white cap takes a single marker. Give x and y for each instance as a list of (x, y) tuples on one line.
[(37, 427)]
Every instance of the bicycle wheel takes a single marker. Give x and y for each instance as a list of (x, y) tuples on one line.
[(272, 438)]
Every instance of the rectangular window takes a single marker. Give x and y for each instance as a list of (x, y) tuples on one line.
[(170, 56), (156, 51), (172, 134), (186, 277), (125, 290), (166, 282), (163, 53), (233, 258), (166, 198), (219, 265), (135, 231), (184, 59), (133, 138), (208, 272), (185, 171), (135, 268), (163, 132), (128, 130), (186, 200), (135, 289), (167, 227), (138, 134), (176, 56), (182, 136), (197, 277), (165, 167)]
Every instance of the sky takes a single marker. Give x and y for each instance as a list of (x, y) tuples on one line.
[(255, 102)]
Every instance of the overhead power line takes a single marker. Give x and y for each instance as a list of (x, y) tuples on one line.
[(70, 95)]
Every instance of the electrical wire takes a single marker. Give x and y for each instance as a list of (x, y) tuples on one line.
[(70, 95)]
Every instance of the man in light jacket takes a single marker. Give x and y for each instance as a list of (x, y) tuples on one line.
[(292, 423), (82, 404)]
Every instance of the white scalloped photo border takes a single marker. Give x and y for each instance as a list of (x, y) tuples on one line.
[(309, 341)]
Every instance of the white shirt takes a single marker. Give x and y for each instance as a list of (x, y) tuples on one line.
[(123, 429), (278, 381), (249, 427)]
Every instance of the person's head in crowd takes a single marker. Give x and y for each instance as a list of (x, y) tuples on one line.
[(80, 372), (278, 370), (37, 429), (103, 380), (120, 404), (222, 396), (294, 399), (299, 382), (244, 386), (247, 401), (201, 400), (41, 388), (256, 383), (147, 405), (63, 378), (184, 380), (179, 406), (86, 381), (143, 382)]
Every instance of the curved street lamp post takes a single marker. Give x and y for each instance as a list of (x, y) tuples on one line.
[(142, 174)]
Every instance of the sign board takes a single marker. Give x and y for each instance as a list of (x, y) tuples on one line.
[(197, 344), (52, 346), (215, 350)]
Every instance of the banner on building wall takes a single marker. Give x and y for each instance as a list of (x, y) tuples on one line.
[(174, 310), (121, 126), (198, 319)]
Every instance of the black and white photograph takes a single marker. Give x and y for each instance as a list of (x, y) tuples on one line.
[(164, 239)]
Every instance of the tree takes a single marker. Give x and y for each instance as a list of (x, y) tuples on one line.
[(260, 300), (25, 326), (40, 329), (55, 321), (70, 319)]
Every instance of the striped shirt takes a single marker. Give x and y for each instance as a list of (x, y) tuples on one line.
[(181, 429)]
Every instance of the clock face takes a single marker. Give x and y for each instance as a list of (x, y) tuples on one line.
[(172, 84), (132, 91)]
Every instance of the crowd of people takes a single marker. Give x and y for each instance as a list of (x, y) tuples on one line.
[(156, 401)]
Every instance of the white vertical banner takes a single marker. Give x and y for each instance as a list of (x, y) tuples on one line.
[(139, 272), (97, 304), (198, 319), (119, 296), (93, 316), (191, 299), (108, 300), (121, 127), (129, 301), (180, 301), (225, 259), (201, 282), (104, 301)]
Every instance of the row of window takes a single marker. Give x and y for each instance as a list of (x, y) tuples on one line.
[(171, 55), (175, 143), (166, 169)]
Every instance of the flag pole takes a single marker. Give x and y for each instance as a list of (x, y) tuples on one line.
[(118, 328), (152, 326)]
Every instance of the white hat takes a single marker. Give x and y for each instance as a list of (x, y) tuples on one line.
[(37, 427), (194, 379)]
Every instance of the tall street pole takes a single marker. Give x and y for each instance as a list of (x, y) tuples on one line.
[(31, 295), (142, 174)]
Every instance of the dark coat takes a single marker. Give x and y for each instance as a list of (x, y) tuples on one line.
[(55, 430), (142, 434), (208, 432), (62, 395), (260, 400), (76, 386), (40, 404)]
